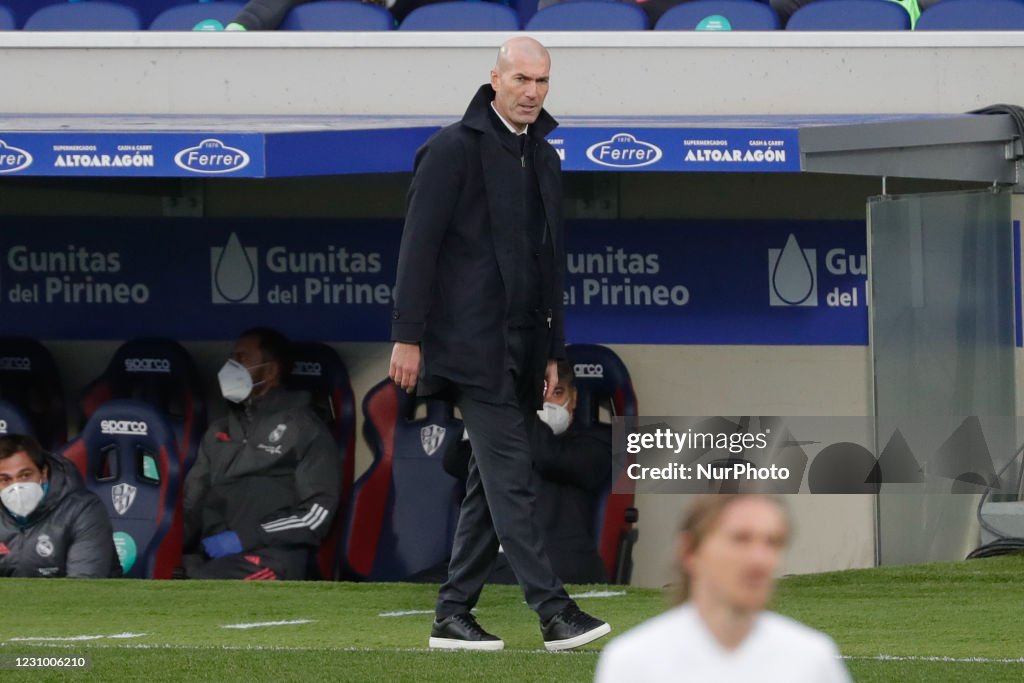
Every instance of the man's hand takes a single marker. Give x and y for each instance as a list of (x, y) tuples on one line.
[(405, 365), (550, 380)]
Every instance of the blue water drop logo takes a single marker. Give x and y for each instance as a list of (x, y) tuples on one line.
[(792, 277), (234, 277)]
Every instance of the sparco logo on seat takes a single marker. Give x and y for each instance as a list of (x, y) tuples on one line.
[(304, 368), (15, 363), (124, 427), (147, 365), (588, 370)]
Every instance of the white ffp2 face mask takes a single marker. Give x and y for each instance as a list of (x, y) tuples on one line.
[(23, 498), (236, 383), (555, 416)]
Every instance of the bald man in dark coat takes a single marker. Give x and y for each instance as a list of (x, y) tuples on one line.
[(478, 318)]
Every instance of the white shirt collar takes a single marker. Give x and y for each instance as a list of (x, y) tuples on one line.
[(511, 128)]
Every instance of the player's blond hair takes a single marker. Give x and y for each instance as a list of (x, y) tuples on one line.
[(700, 519)]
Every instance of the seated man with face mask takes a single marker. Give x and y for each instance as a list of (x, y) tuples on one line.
[(51, 525), (264, 488), (572, 466)]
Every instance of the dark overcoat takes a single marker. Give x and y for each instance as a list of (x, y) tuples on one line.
[(462, 247)]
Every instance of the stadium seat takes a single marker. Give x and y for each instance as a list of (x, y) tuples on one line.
[(22, 9), (29, 380), (338, 15), (850, 15), (589, 15), (126, 454), (603, 381), (13, 420), (87, 15), (162, 373), (149, 9), (319, 370), (973, 15), (719, 15), (462, 15), (185, 17), (525, 9), (405, 506)]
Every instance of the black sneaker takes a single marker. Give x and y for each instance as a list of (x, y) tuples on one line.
[(572, 627), (461, 632)]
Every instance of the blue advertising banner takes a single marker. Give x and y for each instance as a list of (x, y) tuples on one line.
[(677, 149), (643, 282), (132, 155), (276, 146), (710, 282), (281, 151), (197, 279), (259, 155)]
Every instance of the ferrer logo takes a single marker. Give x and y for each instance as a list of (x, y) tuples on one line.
[(13, 159), (211, 157), (588, 370), (303, 368), (624, 151), (147, 365), (16, 363), (124, 427)]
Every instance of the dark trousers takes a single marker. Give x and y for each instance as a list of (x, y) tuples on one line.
[(263, 564), (499, 504)]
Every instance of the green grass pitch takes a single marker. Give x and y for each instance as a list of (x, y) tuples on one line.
[(942, 622)]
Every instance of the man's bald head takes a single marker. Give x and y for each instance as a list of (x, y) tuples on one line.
[(520, 80), (520, 47)]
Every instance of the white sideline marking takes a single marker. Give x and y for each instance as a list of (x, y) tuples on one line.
[(45, 639), (407, 612), (598, 594), (914, 658), (261, 624), (68, 639)]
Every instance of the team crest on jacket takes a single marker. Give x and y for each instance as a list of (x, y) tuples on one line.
[(278, 432), (123, 496), (44, 546), (431, 437)]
